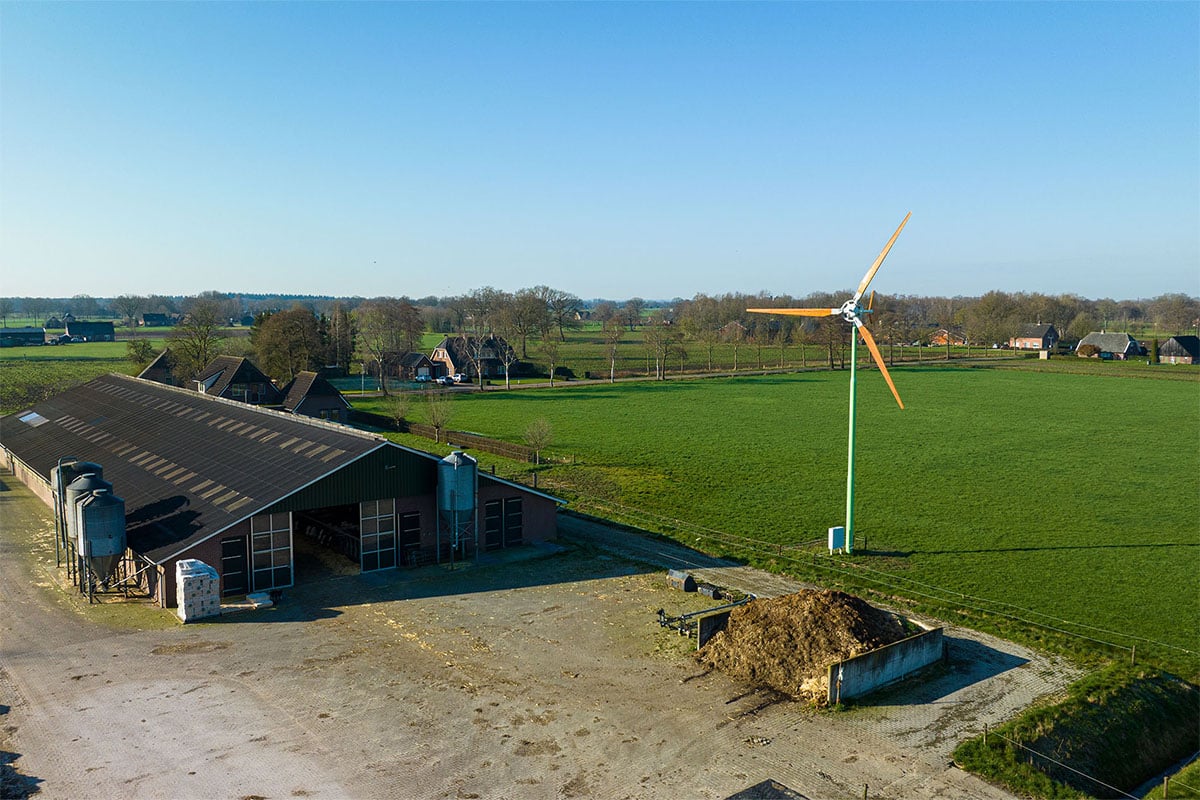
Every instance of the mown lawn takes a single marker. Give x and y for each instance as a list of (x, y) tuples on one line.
[(1073, 497)]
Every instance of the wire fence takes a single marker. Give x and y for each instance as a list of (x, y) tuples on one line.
[(810, 553)]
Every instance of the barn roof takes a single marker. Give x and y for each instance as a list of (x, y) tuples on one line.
[(1111, 342), (188, 465), (308, 384), (1181, 346)]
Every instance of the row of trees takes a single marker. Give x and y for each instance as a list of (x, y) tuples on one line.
[(534, 311)]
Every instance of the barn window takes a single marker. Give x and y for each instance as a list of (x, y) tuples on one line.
[(377, 530), (271, 551)]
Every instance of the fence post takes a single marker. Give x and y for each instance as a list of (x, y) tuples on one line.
[(1133, 655), (1166, 786)]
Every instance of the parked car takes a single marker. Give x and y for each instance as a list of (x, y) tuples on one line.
[(459, 378), (423, 379), (446, 380)]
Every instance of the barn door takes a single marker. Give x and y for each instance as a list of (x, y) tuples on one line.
[(234, 577)]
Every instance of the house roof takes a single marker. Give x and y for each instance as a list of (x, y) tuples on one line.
[(457, 347), (1111, 342), (1034, 331), (79, 328), (1181, 346), (187, 465), (309, 384), (224, 371), (161, 369), (412, 359)]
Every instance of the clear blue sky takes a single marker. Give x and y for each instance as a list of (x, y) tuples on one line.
[(615, 150)]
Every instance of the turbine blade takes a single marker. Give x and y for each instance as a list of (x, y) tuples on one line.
[(875, 354), (862, 287), (798, 312)]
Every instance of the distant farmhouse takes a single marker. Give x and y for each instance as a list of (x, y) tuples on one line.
[(157, 320), (1180, 350), (1119, 346), (21, 337), (1035, 337), (944, 336), (89, 331), (453, 355)]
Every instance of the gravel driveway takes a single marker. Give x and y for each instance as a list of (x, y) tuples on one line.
[(543, 675)]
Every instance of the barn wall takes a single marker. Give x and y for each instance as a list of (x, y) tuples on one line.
[(37, 483), (540, 516), (866, 673)]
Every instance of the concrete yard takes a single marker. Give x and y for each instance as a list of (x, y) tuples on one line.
[(541, 675)]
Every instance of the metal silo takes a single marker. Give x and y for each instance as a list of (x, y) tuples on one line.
[(68, 469), (457, 481), (76, 490), (101, 516)]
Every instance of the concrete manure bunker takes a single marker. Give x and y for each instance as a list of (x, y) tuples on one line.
[(820, 645)]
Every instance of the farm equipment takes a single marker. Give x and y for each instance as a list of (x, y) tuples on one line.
[(686, 624)]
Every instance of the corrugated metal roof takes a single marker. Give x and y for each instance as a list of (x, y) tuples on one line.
[(188, 465)]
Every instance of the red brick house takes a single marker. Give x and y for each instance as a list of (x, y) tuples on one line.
[(1035, 337)]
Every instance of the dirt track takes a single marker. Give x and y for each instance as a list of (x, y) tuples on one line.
[(543, 677)]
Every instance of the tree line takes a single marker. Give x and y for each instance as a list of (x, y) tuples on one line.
[(312, 332)]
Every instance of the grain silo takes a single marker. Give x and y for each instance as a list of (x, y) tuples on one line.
[(456, 492)]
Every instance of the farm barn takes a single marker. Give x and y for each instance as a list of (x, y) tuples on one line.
[(90, 331), (21, 337), (1112, 345), (1180, 350), (261, 495)]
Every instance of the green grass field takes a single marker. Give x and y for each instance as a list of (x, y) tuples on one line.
[(1068, 500), (29, 374)]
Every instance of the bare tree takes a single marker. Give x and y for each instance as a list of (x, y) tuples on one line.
[(613, 331), (632, 312), (549, 349), (398, 409), (563, 308), (129, 307), (538, 436), (438, 411), (386, 327), (8, 307), (197, 339)]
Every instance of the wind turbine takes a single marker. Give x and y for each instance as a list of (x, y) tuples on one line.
[(852, 312)]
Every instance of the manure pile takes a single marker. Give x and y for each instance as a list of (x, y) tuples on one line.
[(787, 643)]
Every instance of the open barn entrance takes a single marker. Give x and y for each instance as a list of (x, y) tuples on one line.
[(327, 542)]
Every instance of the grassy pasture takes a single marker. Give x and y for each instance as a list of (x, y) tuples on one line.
[(1072, 497), (29, 374)]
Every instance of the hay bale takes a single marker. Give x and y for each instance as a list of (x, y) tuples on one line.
[(787, 643)]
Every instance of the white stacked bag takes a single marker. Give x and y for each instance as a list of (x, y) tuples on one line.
[(197, 590)]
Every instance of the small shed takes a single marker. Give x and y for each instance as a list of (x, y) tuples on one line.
[(1180, 350)]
